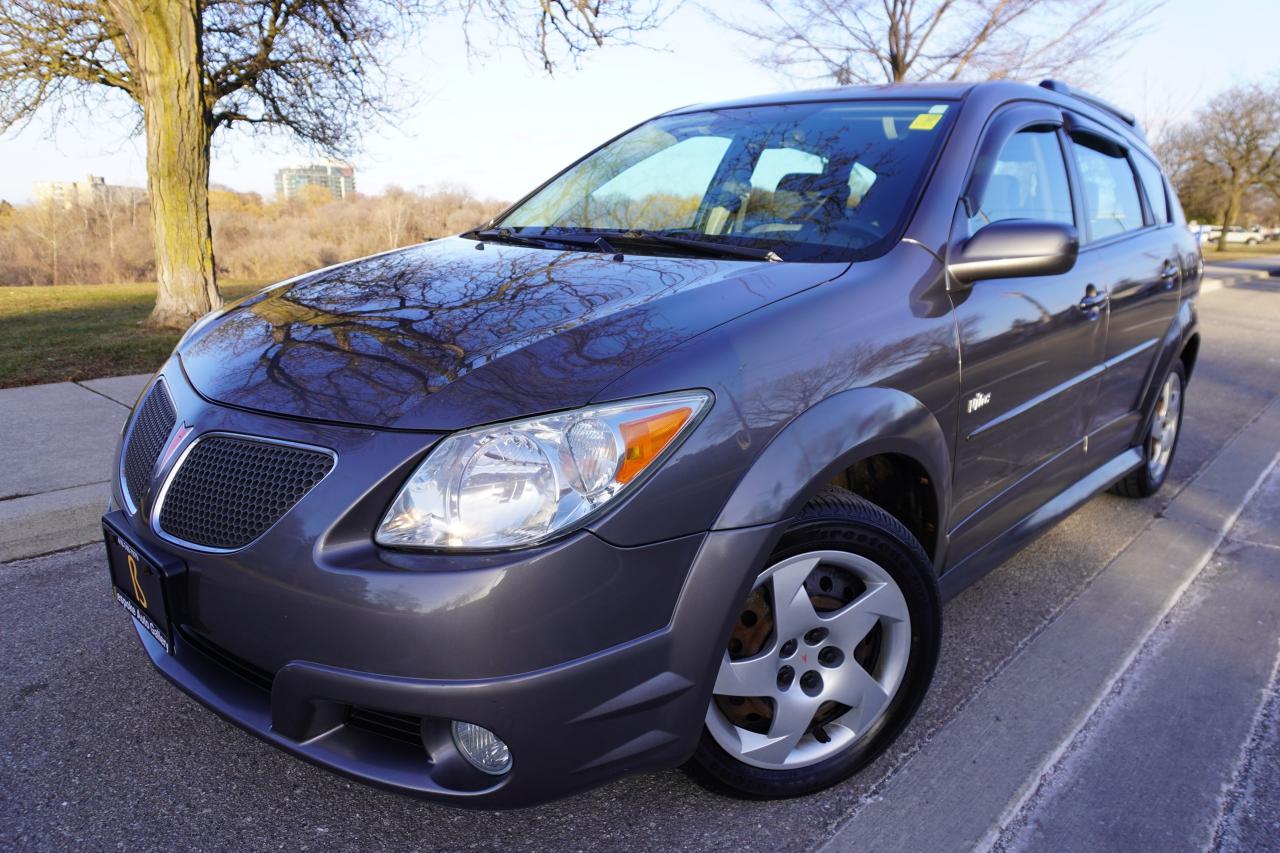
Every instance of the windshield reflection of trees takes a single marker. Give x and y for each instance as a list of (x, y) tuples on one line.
[(363, 342)]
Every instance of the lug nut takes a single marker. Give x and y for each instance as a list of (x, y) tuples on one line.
[(788, 648), (811, 683), (815, 636), (831, 656), (786, 675)]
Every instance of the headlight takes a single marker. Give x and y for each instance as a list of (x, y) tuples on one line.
[(522, 482)]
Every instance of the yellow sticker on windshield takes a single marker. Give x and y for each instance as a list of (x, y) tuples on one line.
[(925, 121)]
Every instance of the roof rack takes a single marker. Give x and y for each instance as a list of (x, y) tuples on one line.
[(1063, 89)]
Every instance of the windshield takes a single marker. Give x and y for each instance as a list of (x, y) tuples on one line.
[(813, 182)]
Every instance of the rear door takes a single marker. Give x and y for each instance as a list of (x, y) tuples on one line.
[(1130, 253), (1031, 348)]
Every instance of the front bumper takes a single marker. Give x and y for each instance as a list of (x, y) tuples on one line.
[(631, 708), (589, 659)]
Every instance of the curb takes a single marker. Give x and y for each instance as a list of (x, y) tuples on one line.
[(38, 524), (1216, 278)]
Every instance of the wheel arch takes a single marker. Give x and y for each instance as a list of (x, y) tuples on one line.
[(1181, 342), (1190, 352), (839, 438)]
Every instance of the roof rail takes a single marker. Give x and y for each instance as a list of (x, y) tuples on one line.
[(1063, 89)]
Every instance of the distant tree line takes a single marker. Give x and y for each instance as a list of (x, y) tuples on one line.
[(316, 70), (1225, 160), (254, 238)]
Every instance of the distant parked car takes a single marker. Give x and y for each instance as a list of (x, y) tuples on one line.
[(1242, 235)]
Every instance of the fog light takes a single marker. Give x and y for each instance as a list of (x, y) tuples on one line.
[(482, 748)]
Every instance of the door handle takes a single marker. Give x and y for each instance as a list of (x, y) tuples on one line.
[(1169, 270)]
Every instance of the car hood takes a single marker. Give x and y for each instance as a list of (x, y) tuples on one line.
[(443, 336)]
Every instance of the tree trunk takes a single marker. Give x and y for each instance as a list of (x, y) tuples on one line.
[(1228, 218), (164, 38)]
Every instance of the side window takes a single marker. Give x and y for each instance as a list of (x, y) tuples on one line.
[(1028, 181), (1153, 186), (1110, 192)]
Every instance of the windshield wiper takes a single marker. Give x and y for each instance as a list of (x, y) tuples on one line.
[(710, 247), (604, 241), (506, 235), (502, 235)]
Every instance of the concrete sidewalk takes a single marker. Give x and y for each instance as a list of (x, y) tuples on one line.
[(55, 461)]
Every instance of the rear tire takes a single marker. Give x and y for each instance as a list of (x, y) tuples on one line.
[(1161, 442), (850, 565)]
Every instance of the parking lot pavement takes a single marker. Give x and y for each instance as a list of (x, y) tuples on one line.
[(97, 750)]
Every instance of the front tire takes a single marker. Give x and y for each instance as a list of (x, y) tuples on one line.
[(1162, 438), (831, 655)]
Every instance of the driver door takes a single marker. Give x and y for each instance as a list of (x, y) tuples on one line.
[(1031, 347)]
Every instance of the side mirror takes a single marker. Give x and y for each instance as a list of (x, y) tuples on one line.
[(1013, 248)]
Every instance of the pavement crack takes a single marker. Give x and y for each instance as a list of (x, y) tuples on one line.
[(1244, 540), (79, 384), (16, 495)]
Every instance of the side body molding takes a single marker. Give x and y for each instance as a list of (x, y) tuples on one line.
[(829, 437)]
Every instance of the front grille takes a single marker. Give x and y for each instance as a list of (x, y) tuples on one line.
[(228, 490), (151, 426)]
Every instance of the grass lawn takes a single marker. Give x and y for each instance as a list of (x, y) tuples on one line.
[(1238, 252), (74, 332)]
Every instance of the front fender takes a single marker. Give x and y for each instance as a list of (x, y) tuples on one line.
[(828, 438)]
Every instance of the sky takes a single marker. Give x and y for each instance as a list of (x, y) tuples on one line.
[(499, 126)]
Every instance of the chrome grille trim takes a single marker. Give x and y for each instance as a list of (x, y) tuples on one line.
[(158, 505)]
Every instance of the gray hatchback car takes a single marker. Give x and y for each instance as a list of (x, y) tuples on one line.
[(673, 462)]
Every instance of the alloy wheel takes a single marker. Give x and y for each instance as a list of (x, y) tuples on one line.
[(1164, 427), (817, 655)]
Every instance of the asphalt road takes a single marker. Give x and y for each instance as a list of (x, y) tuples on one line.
[(97, 751)]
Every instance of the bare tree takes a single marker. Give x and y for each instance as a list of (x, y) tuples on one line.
[(1229, 149), (315, 69), (894, 41)]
